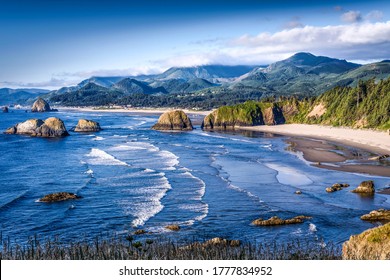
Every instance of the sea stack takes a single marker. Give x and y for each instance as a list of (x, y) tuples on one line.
[(365, 187), (40, 105), (87, 126), (51, 127), (173, 120)]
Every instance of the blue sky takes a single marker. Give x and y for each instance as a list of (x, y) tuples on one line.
[(56, 43)]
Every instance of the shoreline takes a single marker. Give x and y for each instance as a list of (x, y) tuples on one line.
[(133, 110), (341, 149)]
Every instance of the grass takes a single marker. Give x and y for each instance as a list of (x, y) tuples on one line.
[(118, 248)]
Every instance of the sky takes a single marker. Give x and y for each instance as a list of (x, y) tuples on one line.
[(51, 44)]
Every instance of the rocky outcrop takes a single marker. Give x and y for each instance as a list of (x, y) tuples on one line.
[(173, 227), (365, 187), (51, 127), (140, 232), (276, 221), (273, 115), (61, 196), (372, 244), (377, 215), (87, 126), (28, 127), (228, 117), (40, 105), (173, 120), (336, 187), (5, 109)]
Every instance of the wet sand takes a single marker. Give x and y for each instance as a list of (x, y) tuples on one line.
[(342, 149)]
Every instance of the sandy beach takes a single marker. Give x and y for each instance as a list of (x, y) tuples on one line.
[(334, 148)]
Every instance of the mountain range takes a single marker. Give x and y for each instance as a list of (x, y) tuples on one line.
[(302, 74)]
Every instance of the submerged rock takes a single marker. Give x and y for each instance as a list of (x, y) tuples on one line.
[(87, 126), (377, 215), (51, 127), (139, 232), (366, 187), (275, 221), (5, 109), (336, 187), (40, 105), (173, 120), (173, 227), (61, 196), (372, 244)]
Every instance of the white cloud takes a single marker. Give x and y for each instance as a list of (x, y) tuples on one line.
[(374, 15), (352, 16)]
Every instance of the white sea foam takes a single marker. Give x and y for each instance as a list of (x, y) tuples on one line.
[(89, 172), (151, 204), (100, 157), (312, 227), (202, 189), (248, 193), (171, 160), (98, 138), (127, 148), (289, 176)]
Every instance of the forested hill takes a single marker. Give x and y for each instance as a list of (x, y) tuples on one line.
[(366, 105)]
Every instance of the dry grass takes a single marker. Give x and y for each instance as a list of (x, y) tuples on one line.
[(117, 248)]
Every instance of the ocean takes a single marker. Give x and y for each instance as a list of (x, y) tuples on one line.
[(212, 184)]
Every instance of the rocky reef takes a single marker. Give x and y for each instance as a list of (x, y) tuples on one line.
[(60, 196), (87, 126), (51, 127), (276, 221), (249, 113), (5, 109), (173, 227), (365, 187), (377, 215), (40, 105), (372, 244), (336, 187), (173, 120)]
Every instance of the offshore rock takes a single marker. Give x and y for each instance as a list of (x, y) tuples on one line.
[(336, 187), (372, 244), (61, 196), (275, 221), (52, 127), (5, 109), (28, 127), (377, 215), (173, 227), (365, 187), (173, 120), (40, 105), (87, 126)]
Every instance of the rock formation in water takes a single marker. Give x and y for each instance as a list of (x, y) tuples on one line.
[(27, 127), (275, 221), (336, 187), (377, 215), (5, 109), (372, 244), (61, 196), (173, 120), (173, 227), (51, 127), (87, 126), (40, 105), (365, 187)]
